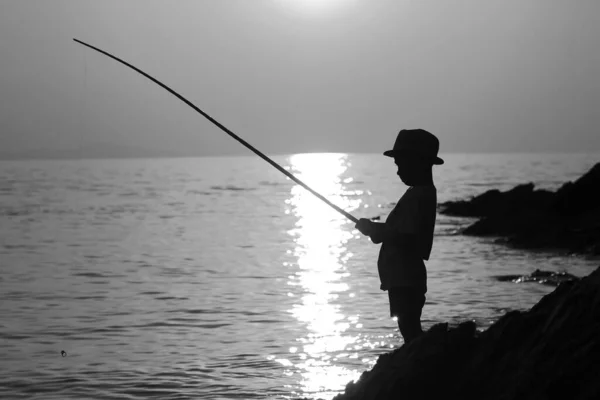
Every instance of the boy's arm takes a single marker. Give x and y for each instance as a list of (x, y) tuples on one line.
[(377, 232), (381, 232)]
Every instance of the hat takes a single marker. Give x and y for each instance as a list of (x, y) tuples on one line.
[(416, 141)]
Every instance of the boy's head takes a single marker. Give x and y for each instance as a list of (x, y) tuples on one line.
[(415, 152)]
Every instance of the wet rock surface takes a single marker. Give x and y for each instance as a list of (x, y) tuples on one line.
[(551, 351), (568, 219), (538, 276)]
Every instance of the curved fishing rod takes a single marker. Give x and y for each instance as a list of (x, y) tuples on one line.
[(224, 129)]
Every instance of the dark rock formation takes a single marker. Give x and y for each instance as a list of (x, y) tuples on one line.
[(544, 277), (549, 352), (567, 219)]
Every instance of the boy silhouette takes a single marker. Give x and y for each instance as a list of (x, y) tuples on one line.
[(407, 234)]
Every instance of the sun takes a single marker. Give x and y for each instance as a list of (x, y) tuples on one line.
[(316, 4), (313, 6)]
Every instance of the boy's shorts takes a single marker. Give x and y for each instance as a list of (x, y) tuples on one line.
[(406, 301)]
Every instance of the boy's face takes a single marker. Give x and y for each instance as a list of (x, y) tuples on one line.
[(409, 168)]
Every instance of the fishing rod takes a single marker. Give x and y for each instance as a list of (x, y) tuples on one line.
[(227, 131)]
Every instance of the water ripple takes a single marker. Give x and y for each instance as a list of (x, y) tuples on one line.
[(230, 296)]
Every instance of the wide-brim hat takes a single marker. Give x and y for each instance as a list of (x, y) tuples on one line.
[(417, 142)]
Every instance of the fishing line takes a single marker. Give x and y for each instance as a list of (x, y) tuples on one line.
[(224, 129), (82, 106)]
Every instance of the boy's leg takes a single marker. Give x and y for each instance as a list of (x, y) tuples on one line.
[(410, 326), (406, 304)]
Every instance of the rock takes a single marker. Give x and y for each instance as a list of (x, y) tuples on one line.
[(551, 351), (581, 196), (543, 277), (567, 219), (522, 198)]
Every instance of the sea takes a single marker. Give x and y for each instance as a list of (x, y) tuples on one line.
[(221, 278)]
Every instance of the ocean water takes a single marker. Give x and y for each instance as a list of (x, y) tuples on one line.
[(219, 278)]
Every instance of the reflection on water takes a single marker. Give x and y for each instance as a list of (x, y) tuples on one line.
[(320, 236), (162, 279)]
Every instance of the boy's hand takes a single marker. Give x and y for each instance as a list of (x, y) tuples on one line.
[(365, 226), (372, 229)]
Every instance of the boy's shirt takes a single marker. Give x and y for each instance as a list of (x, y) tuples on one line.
[(415, 214)]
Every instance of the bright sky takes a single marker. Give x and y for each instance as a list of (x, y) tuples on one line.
[(302, 75)]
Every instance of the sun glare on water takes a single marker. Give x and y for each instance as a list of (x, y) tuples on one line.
[(320, 255)]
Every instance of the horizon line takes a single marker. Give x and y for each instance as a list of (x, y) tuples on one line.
[(25, 157)]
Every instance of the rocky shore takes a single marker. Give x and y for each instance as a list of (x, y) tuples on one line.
[(550, 352), (566, 220)]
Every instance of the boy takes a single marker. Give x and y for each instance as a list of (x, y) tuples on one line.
[(407, 234)]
